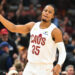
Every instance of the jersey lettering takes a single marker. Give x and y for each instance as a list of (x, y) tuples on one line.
[(38, 39)]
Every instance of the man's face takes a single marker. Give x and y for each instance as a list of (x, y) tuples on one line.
[(66, 37), (5, 37), (48, 13), (6, 49), (70, 71)]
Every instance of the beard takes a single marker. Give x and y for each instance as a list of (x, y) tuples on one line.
[(44, 20)]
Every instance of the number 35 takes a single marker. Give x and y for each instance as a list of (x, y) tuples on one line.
[(35, 50)]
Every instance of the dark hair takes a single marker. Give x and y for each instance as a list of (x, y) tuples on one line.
[(73, 36), (51, 6)]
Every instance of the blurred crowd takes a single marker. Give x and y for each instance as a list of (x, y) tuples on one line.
[(14, 46)]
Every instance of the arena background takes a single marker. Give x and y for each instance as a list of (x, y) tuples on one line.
[(24, 11)]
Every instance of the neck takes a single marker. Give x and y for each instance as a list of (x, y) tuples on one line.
[(44, 25)]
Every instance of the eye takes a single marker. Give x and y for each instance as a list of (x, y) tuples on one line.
[(45, 10), (50, 12)]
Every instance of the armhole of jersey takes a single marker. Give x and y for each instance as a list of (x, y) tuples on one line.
[(34, 26), (53, 27)]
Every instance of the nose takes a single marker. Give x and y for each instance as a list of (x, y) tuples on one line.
[(47, 13)]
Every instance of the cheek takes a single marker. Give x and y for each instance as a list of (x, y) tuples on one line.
[(51, 16)]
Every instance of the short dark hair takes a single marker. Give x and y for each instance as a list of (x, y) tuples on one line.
[(51, 6)]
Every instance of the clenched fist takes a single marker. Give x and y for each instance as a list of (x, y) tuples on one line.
[(56, 70)]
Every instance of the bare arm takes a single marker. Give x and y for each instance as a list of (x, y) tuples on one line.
[(57, 35), (16, 28)]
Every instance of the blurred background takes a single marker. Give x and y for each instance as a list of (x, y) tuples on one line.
[(14, 46)]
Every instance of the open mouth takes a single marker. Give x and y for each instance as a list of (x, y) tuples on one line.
[(46, 16)]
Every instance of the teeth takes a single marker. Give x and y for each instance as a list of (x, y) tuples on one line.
[(45, 16)]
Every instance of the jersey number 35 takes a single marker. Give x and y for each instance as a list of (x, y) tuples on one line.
[(35, 50)]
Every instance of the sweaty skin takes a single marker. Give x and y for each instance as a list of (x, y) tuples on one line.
[(47, 16)]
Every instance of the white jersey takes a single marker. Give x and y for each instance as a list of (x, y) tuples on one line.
[(42, 48)]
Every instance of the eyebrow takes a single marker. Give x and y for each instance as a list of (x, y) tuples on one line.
[(49, 10)]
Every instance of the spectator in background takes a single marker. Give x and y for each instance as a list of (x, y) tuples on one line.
[(70, 58), (18, 12), (23, 55), (66, 38), (32, 10), (24, 40), (71, 46), (56, 21), (26, 2), (18, 66), (12, 72), (5, 59), (13, 51), (34, 2), (68, 25), (73, 39), (3, 13), (24, 16), (5, 5), (70, 49), (70, 70), (12, 17)]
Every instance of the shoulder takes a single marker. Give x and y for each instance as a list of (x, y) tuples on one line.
[(57, 35), (53, 26), (56, 31), (32, 23), (29, 25)]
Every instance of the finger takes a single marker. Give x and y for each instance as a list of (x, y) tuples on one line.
[(54, 73)]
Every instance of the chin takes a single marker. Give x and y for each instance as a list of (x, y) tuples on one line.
[(44, 20)]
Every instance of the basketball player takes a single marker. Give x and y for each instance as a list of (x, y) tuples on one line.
[(45, 38)]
